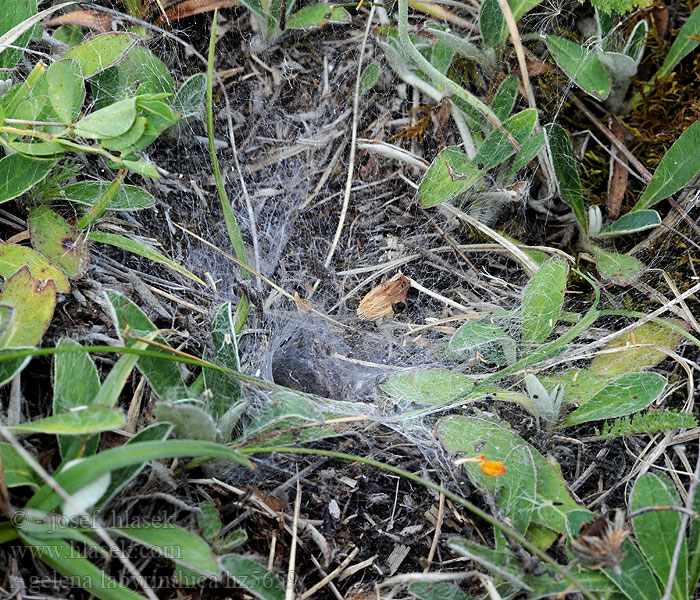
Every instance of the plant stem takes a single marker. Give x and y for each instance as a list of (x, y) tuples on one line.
[(445, 81)]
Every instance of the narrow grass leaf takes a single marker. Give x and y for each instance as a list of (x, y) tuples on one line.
[(623, 396), (63, 558), (543, 300), (656, 531), (683, 45), (121, 477), (106, 461), (119, 241), (80, 420), (568, 180), (173, 542)]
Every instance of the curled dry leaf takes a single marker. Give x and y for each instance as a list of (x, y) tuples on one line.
[(193, 7), (599, 544), (304, 305), (377, 303), (85, 18)]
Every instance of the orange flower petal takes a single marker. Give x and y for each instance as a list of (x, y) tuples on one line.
[(492, 468)]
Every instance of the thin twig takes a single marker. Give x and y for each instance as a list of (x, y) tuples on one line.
[(436, 535), (289, 592), (353, 145)]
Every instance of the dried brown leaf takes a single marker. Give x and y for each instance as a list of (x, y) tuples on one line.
[(617, 182), (377, 303)]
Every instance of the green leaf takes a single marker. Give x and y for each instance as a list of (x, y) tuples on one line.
[(370, 76), (110, 121), (623, 396), (128, 141), (14, 13), (491, 23), (66, 89), (253, 577), (63, 558), (189, 98), (635, 578), (100, 52), (142, 167), (678, 166), (570, 187), (581, 65), (632, 222), (121, 477), (529, 149), (640, 349), (209, 520), (429, 387), (543, 300), (15, 470), (38, 150), (317, 16), (173, 542), (163, 375), (225, 391), (683, 45), (621, 269), (75, 383), (127, 197), (441, 55), (504, 98), (474, 436), (189, 421), (233, 540), (106, 461), (19, 174), (430, 590), (449, 175), (13, 257), (130, 245), (580, 385), (59, 241), (79, 420), (496, 148), (657, 531), (33, 302), (485, 337)]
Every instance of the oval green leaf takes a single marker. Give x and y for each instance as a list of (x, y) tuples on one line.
[(100, 52), (59, 241), (110, 121), (623, 396), (19, 174), (543, 300), (621, 269), (678, 166), (581, 65), (496, 148), (66, 91), (14, 257), (317, 16), (564, 162), (632, 222), (127, 197), (429, 387), (450, 174)]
